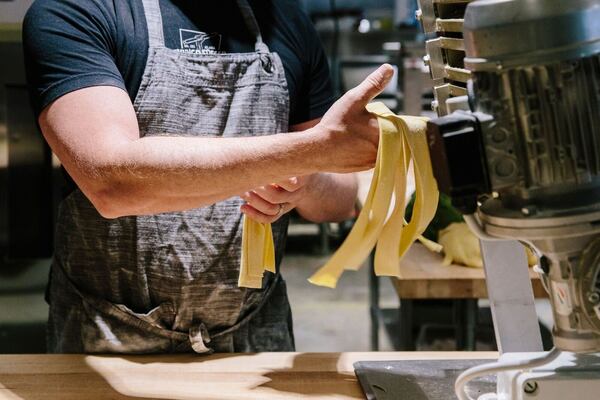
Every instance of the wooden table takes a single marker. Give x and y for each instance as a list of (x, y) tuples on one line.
[(424, 277), (262, 376)]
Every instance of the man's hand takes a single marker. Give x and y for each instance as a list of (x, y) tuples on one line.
[(352, 131), (269, 203)]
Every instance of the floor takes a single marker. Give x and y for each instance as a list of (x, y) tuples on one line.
[(23, 311), (332, 319)]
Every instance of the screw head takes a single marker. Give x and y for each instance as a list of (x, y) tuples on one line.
[(530, 387), (529, 210), (594, 297)]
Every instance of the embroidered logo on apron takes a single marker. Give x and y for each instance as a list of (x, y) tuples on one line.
[(199, 42)]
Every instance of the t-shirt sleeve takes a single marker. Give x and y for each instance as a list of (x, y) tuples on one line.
[(317, 92), (68, 45)]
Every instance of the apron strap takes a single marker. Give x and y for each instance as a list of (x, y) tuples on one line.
[(156, 37), (252, 25)]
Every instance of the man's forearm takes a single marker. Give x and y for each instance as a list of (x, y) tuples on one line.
[(159, 174), (330, 197)]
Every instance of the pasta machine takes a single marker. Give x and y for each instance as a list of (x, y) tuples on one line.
[(517, 147)]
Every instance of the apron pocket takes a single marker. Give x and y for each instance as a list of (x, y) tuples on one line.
[(114, 328)]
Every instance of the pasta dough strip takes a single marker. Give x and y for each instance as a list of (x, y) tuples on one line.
[(258, 253), (402, 139)]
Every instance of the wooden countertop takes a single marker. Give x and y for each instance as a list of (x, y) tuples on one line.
[(263, 376), (425, 277)]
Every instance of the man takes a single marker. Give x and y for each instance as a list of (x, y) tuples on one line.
[(168, 116)]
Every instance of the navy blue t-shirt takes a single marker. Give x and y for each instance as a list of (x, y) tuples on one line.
[(72, 44)]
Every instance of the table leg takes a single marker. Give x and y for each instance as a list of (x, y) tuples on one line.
[(465, 323), (407, 342), (324, 238), (471, 323), (374, 303), (459, 323)]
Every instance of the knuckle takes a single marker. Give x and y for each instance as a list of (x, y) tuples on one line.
[(299, 184), (376, 80)]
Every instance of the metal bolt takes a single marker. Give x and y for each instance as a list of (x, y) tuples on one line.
[(529, 210), (594, 297), (530, 387)]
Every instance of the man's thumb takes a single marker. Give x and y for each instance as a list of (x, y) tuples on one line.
[(374, 83)]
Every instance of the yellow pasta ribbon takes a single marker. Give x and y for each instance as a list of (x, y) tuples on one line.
[(258, 253), (402, 140)]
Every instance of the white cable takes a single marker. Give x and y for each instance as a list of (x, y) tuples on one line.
[(499, 366), (543, 277), (475, 226)]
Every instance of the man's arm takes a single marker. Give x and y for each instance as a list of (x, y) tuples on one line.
[(94, 133), (320, 197)]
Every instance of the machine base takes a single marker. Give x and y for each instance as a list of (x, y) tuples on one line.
[(570, 376), (417, 379)]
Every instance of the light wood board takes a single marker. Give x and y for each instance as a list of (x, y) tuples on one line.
[(262, 376)]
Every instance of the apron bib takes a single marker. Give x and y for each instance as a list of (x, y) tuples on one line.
[(168, 282)]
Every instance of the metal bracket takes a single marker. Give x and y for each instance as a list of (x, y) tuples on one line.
[(511, 296)]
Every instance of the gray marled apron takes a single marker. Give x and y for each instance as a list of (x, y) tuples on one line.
[(168, 282)]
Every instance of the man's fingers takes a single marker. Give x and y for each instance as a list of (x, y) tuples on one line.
[(274, 194), (373, 84), (292, 184), (261, 204), (258, 216)]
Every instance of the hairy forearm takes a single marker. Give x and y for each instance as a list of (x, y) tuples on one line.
[(329, 198), (160, 174)]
